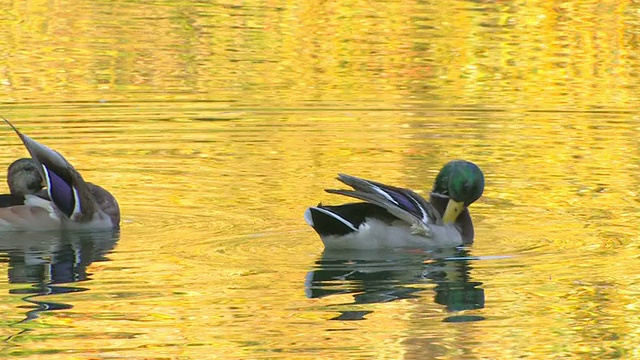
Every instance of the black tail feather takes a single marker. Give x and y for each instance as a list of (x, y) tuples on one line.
[(344, 219)]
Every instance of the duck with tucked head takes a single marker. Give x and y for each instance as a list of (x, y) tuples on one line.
[(393, 217), (67, 202)]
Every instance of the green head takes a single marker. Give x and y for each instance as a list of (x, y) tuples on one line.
[(463, 182)]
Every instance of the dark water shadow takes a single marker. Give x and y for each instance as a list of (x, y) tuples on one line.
[(47, 259), (384, 276)]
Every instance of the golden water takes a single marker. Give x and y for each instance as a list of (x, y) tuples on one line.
[(216, 125)]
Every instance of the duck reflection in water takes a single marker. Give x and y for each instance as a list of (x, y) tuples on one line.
[(377, 277), (53, 224), (48, 258)]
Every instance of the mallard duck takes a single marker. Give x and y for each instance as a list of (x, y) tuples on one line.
[(393, 217), (68, 202)]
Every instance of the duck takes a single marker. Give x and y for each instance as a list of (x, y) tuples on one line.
[(48, 193), (391, 217)]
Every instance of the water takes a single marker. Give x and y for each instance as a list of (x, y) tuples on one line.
[(216, 125)]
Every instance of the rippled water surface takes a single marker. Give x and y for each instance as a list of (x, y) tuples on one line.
[(216, 125)]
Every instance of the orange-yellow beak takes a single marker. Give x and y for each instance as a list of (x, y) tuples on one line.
[(454, 209)]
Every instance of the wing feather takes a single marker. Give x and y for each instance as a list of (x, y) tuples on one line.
[(402, 203)]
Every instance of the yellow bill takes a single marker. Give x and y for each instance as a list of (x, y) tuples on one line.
[(454, 209)]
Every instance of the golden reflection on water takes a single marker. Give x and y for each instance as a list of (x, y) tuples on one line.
[(539, 55), (215, 125)]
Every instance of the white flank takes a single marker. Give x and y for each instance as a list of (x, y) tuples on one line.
[(100, 220), (374, 234), (36, 214), (36, 201)]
